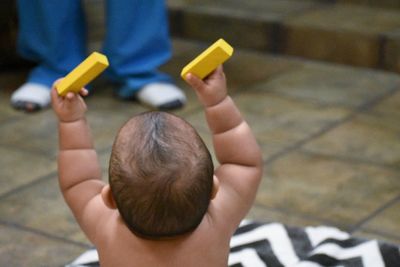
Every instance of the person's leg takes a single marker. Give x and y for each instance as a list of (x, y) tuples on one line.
[(137, 43), (51, 33)]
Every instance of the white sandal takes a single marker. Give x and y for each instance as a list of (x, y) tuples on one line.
[(163, 96), (31, 97)]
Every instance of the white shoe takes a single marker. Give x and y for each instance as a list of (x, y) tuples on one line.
[(31, 97), (163, 96)]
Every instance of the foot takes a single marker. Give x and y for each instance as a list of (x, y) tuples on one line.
[(162, 96), (31, 97)]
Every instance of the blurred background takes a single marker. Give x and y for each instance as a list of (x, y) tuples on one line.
[(317, 80)]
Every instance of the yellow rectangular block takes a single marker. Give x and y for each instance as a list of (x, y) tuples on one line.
[(209, 60), (84, 73)]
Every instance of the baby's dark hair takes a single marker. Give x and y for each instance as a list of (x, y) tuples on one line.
[(161, 175)]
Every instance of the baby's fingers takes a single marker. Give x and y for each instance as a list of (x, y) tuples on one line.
[(70, 95), (195, 82), (83, 92), (218, 73)]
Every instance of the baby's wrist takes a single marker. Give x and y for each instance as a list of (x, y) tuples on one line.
[(215, 102), (70, 120)]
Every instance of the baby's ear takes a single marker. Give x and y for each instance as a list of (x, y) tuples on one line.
[(215, 187), (108, 198)]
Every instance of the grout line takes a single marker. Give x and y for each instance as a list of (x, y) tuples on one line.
[(10, 119), (375, 213), (351, 160), (302, 142), (29, 150), (362, 108), (43, 234), (380, 233), (374, 101), (27, 185)]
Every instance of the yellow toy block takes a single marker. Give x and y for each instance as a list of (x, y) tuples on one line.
[(84, 73), (209, 60)]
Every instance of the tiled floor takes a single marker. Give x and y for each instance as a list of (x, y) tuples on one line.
[(330, 136)]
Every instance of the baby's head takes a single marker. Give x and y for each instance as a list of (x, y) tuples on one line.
[(161, 175)]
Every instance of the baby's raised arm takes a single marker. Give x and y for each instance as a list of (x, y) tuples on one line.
[(78, 167), (235, 146)]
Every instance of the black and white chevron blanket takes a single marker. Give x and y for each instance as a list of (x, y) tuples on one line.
[(277, 245)]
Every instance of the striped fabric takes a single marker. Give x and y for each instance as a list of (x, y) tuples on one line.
[(277, 245)]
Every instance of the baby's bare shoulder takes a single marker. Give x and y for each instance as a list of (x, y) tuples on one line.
[(122, 248)]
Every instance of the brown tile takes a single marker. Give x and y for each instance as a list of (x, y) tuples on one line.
[(261, 214), (198, 122), (386, 223), (277, 122), (26, 249), (19, 168), (367, 138), (377, 236), (322, 187), (42, 207), (329, 84), (281, 121), (38, 132), (33, 132), (387, 111)]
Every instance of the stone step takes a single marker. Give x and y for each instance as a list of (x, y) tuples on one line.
[(328, 30), (369, 3), (372, 3), (357, 35)]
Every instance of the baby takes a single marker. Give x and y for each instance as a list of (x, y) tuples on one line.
[(165, 205)]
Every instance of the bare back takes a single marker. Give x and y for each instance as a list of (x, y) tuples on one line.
[(208, 245)]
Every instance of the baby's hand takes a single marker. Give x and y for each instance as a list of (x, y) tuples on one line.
[(68, 108), (212, 90)]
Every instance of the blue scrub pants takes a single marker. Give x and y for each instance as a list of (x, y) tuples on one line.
[(53, 34)]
